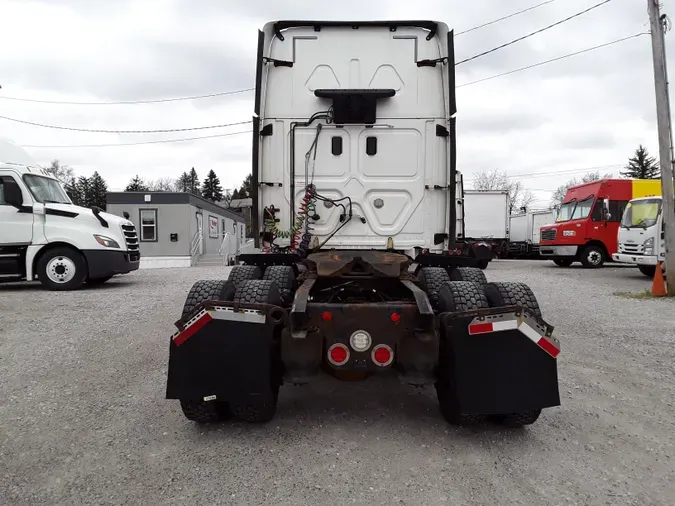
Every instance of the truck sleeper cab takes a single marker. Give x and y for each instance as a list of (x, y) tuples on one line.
[(587, 222), (642, 235), (360, 270), (44, 236)]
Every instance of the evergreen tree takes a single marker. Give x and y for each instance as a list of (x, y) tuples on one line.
[(137, 185), (642, 166), (193, 183), (183, 183), (72, 191), (83, 192), (98, 190), (211, 189)]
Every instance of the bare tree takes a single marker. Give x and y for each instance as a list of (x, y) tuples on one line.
[(519, 196), (61, 172), (163, 184), (227, 198)]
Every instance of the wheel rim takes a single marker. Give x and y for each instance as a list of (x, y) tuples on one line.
[(61, 270), (594, 257)]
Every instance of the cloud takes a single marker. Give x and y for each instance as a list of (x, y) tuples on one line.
[(585, 111)]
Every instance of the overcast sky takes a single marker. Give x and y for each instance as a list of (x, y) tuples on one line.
[(591, 110)]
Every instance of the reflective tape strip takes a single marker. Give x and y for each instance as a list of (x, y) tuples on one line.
[(493, 326), (193, 326), (539, 340), (246, 316)]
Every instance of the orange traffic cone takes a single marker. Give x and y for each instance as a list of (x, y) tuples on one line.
[(659, 284)]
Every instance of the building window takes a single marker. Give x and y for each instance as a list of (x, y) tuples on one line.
[(148, 225)]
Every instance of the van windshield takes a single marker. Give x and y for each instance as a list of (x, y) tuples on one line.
[(46, 190), (641, 213)]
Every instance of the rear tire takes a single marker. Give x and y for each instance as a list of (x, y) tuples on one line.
[(207, 290), (472, 274), (483, 264), (455, 296), (517, 420), (647, 270), (263, 406), (205, 412), (512, 294), (241, 273), (432, 280), (282, 275), (592, 257), (61, 269), (563, 262)]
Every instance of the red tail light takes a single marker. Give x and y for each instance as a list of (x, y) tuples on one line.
[(395, 317), (382, 355), (326, 316), (338, 354)]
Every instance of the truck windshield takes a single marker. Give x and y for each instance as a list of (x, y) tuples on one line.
[(641, 213), (583, 209), (566, 210), (46, 190)]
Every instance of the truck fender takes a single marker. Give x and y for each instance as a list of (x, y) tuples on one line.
[(34, 251)]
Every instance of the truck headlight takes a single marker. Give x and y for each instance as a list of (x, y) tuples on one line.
[(569, 233), (106, 241), (649, 243)]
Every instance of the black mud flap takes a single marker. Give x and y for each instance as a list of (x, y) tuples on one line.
[(500, 361), (225, 352)]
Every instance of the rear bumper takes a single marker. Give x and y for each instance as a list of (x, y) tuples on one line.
[(634, 259), (558, 251), (104, 263)]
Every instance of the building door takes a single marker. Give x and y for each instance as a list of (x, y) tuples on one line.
[(200, 231)]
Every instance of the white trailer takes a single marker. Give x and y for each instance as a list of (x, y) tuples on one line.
[(486, 218), (524, 232)]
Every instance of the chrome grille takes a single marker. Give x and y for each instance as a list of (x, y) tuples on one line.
[(131, 238), (548, 235)]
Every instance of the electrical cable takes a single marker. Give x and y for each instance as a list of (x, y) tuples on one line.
[(161, 131), (129, 102), (504, 17), (560, 172), (533, 33), (552, 60)]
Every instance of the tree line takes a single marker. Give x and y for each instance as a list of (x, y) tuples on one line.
[(639, 166), (83, 191)]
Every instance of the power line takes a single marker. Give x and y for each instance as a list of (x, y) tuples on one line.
[(534, 33), (130, 102), (560, 172), (552, 60), (505, 17), (139, 143), (168, 130)]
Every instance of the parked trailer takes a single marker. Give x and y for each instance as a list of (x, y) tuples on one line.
[(486, 218), (361, 272), (524, 232)]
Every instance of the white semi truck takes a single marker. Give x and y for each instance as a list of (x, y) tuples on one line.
[(641, 235), (44, 236)]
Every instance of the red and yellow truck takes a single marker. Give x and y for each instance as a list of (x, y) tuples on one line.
[(587, 222)]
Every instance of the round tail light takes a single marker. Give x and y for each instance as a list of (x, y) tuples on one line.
[(382, 355), (338, 354)]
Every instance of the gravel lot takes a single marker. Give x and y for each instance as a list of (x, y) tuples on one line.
[(83, 419)]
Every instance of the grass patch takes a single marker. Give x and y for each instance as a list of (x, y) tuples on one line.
[(647, 294)]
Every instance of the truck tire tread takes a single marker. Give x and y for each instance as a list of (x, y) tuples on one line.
[(258, 291), (204, 412), (432, 280), (461, 296), (512, 294), (282, 275), (241, 273), (473, 274), (516, 420), (204, 290)]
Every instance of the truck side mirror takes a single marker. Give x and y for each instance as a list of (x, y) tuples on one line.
[(12, 193)]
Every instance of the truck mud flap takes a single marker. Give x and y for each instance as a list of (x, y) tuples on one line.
[(226, 352), (499, 361)]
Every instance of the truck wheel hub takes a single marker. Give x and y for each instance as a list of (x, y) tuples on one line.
[(60, 269)]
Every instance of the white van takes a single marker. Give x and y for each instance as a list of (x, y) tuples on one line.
[(641, 235), (44, 236)]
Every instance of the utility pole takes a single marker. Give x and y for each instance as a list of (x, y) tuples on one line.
[(665, 135)]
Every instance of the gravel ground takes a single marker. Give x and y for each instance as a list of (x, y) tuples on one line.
[(83, 419)]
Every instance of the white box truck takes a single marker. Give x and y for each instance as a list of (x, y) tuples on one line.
[(641, 235), (44, 236), (524, 232), (486, 218)]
